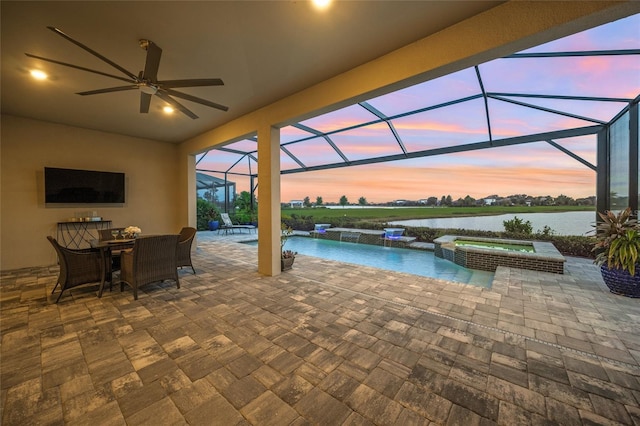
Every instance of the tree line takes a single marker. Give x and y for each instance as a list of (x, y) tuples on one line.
[(468, 201)]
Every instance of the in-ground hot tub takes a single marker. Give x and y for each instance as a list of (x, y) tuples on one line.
[(488, 253)]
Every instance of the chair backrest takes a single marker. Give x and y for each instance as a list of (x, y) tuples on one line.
[(77, 266), (226, 219), (187, 233), (185, 242), (154, 258), (62, 260)]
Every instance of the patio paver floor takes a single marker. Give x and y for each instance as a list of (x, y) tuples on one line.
[(325, 343)]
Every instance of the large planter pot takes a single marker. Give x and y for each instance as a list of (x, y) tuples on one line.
[(286, 263), (621, 282), (214, 225)]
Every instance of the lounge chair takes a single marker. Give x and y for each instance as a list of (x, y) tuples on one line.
[(184, 247), (228, 225)]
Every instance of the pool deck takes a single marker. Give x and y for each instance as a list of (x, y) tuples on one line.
[(325, 343)]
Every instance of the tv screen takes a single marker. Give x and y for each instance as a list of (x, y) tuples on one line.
[(83, 186)]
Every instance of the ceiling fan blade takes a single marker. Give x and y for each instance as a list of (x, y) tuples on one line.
[(194, 82), (153, 62), (94, 53), (108, 90), (145, 101), (196, 100), (79, 68), (177, 105)]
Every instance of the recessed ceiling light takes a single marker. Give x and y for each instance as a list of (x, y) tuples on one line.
[(321, 4), (168, 110), (38, 75)]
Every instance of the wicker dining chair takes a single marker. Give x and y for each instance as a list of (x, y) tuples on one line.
[(152, 259), (185, 242), (106, 235), (77, 267)]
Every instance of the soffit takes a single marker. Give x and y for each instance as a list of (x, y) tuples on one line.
[(263, 51)]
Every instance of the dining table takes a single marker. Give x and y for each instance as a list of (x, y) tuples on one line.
[(106, 248)]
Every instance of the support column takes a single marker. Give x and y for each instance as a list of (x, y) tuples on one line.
[(602, 175), (634, 171), (192, 214), (269, 201)]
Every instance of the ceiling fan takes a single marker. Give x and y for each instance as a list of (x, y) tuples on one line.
[(146, 81)]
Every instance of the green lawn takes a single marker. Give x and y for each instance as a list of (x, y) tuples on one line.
[(403, 213)]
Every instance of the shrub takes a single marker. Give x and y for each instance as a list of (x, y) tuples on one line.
[(518, 226), (205, 211), (574, 245), (299, 222)]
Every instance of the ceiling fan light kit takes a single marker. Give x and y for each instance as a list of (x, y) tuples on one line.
[(146, 81)]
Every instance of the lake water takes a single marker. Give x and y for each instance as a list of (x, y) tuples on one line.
[(567, 223)]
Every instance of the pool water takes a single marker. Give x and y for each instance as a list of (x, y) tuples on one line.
[(496, 246), (417, 262)]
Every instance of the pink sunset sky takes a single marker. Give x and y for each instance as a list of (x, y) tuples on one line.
[(534, 168)]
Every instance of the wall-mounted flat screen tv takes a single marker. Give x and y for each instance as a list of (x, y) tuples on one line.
[(83, 186)]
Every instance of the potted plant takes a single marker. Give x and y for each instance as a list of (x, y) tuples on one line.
[(287, 257), (207, 215), (617, 247)]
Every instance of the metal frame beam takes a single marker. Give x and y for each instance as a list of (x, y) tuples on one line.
[(581, 131), (572, 155)]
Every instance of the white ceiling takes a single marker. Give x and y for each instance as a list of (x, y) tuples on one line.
[(263, 51)]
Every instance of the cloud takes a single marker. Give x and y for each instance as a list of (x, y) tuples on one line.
[(381, 183)]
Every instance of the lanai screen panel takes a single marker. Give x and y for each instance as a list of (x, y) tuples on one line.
[(597, 76), (221, 161), (583, 146), (620, 34), (508, 120), (371, 141), (314, 152), (245, 145), (453, 125), (599, 111), (290, 133), (438, 91), (619, 163), (340, 119)]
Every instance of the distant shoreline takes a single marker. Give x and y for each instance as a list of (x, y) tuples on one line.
[(389, 213)]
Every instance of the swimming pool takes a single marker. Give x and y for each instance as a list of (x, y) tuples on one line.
[(417, 262)]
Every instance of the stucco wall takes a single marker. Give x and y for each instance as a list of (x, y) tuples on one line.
[(27, 146)]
